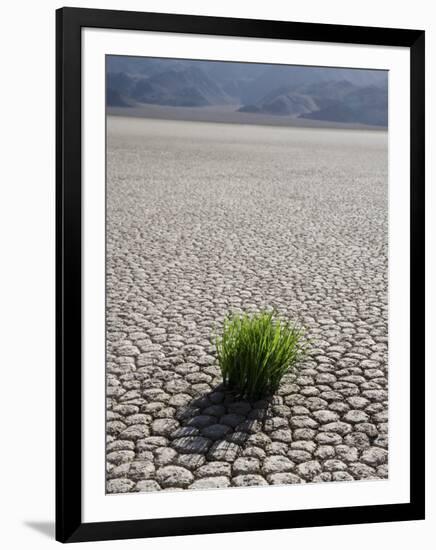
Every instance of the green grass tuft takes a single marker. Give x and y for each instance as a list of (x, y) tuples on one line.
[(256, 351)]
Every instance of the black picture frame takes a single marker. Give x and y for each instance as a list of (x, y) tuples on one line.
[(69, 23)]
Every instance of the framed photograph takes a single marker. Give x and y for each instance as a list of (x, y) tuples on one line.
[(240, 274)]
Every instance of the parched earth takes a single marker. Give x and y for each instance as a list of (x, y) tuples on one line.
[(204, 219)]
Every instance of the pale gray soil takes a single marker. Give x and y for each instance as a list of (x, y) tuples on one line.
[(230, 115), (203, 219)]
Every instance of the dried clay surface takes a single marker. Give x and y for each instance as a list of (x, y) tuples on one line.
[(203, 219)]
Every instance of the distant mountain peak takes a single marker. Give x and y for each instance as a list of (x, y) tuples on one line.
[(358, 95)]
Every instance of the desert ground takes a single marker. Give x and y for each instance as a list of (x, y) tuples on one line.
[(230, 115), (204, 219)]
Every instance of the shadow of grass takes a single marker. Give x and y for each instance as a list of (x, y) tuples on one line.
[(218, 420)]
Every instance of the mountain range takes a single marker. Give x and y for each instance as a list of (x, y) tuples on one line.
[(317, 93)]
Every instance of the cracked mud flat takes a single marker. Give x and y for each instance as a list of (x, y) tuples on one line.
[(203, 219)]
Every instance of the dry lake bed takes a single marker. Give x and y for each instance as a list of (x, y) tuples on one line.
[(207, 218)]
